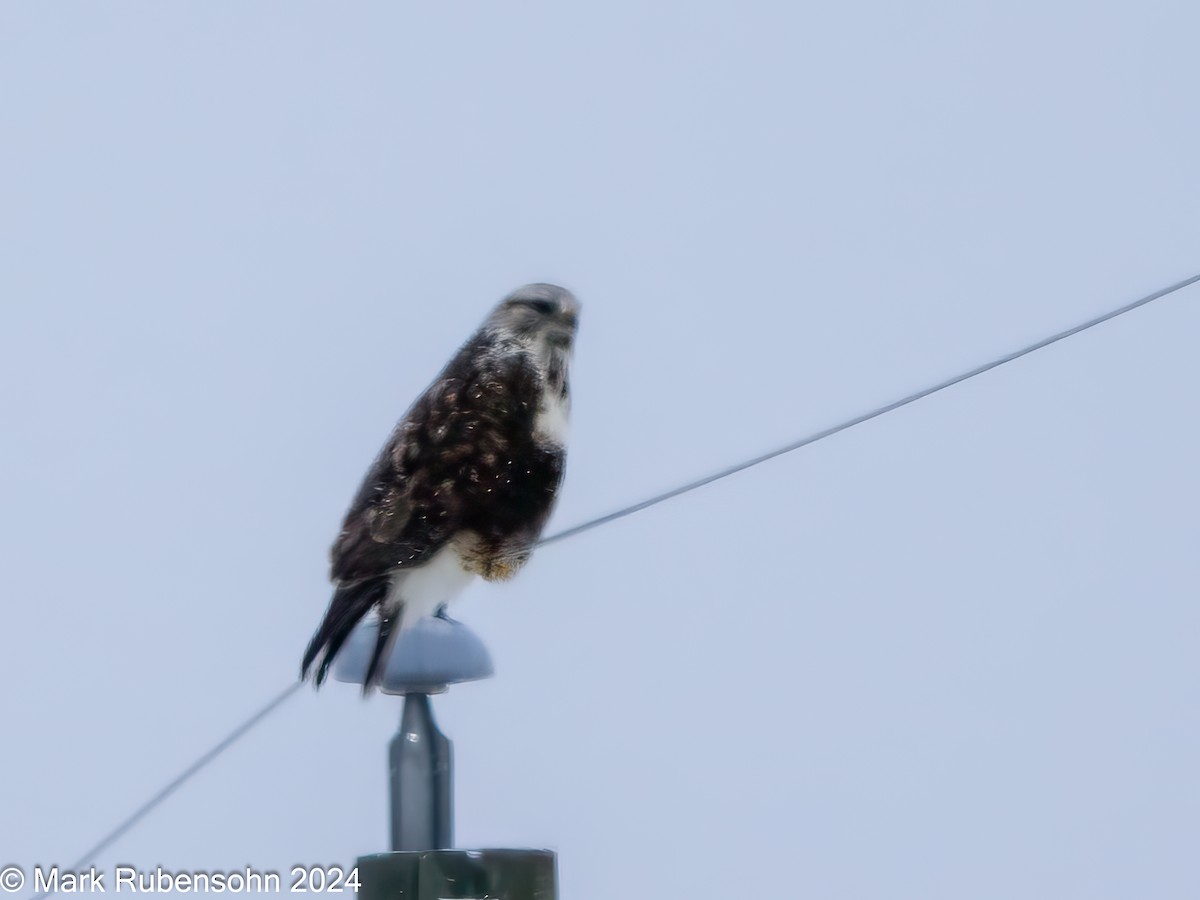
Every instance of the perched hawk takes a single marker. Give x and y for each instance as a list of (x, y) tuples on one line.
[(465, 483)]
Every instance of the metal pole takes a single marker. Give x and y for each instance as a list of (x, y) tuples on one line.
[(433, 654), (422, 769)]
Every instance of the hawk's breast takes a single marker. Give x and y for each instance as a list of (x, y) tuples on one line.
[(553, 415)]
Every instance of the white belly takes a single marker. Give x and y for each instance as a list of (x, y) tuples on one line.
[(422, 590), (550, 424)]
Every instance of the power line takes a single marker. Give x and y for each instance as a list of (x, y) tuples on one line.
[(865, 417), (292, 689), (178, 781)]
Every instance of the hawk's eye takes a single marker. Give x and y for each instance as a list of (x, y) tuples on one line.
[(545, 307)]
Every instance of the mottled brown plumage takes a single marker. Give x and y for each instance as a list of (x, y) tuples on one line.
[(473, 468)]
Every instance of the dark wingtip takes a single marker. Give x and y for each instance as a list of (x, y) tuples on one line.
[(322, 670), (387, 625), (348, 606), (310, 656)]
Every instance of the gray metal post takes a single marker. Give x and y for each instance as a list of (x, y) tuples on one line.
[(427, 658), (422, 777)]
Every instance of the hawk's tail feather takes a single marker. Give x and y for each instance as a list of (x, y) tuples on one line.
[(349, 604), (388, 632)]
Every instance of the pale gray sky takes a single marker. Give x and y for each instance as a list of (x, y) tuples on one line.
[(949, 654)]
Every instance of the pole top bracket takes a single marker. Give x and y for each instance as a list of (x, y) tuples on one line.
[(427, 658)]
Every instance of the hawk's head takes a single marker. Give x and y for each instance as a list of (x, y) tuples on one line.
[(540, 314)]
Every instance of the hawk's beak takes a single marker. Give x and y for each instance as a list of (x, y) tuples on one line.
[(562, 331), (569, 314), (566, 320)]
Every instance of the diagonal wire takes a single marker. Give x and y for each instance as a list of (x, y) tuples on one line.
[(865, 417), (178, 781), (224, 744)]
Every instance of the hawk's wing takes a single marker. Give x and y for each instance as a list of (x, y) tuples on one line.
[(437, 469), (401, 515), (449, 466)]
